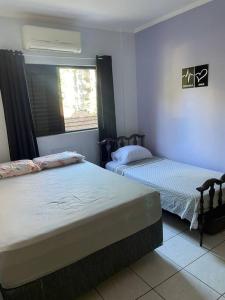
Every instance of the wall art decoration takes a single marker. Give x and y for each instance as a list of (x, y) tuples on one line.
[(188, 78), (197, 76), (201, 75)]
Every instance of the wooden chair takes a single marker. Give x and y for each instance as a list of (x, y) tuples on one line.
[(213, 220)]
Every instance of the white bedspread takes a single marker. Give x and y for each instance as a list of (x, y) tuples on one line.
[(176, 182), (53, 218)]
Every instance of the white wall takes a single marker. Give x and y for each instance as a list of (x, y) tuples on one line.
[(82, 142), (121, 46), (4, 149)]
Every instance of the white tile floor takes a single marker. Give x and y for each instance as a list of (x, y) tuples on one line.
[(178, 270)]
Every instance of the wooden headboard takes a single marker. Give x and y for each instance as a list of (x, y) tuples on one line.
[(109, 145)]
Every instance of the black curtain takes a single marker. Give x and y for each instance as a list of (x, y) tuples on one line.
[(105, 96), (19, 123)]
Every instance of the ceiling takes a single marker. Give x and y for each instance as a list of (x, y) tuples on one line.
[(119, 15)]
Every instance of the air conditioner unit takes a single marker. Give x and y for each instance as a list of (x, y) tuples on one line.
[(42, 38)]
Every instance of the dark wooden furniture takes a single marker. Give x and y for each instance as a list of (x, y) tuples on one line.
[(110, 145), (212, 220)]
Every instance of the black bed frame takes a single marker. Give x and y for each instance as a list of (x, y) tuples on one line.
[(107, 146), (78, 278), (211, 221)]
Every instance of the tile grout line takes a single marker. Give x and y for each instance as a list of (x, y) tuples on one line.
[(188, 240), (141, 278), (182, 268), (100, 295), (204, 282), (216, 255), (159, 294), (218, 244), (153, 288), (207, 251), (139, 297), (167, 279), (203, 246), (174, 236)]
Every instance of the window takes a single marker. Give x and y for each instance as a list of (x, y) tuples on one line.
[(63, 99), (78, 92)]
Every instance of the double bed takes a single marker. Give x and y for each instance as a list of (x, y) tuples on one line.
[(64, 230)]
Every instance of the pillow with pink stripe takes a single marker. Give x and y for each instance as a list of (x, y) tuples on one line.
[(58, 160), (17, 168)]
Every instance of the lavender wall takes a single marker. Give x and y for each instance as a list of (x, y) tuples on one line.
[(184, 125)]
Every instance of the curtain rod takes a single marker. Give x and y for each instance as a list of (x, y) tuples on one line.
[(55, 56)]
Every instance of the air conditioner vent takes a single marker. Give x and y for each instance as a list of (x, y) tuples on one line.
[(41, 38)]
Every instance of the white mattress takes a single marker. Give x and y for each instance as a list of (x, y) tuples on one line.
[(56, 217), (176, 182)]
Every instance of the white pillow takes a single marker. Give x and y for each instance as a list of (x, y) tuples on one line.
[(131, 153)]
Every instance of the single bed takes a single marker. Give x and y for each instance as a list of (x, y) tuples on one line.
[(177, 182), (66, 229)]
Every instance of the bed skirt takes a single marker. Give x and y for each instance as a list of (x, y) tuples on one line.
[(78, 278)]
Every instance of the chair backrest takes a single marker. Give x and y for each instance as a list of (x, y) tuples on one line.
[(210, 185)]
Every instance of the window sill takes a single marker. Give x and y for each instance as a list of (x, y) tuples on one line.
[(81, 130), (69, 133)]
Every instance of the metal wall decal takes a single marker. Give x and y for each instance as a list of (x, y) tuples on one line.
[(197, 76), (201, 76), (188, 78)]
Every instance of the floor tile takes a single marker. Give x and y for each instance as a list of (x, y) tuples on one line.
[(181, 251), (211, 270), (185, 286), (155, 268), (125, 285), (151, 296), (209, 241), (168, 232), (174, 223), (220, 251), (92, 295)]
